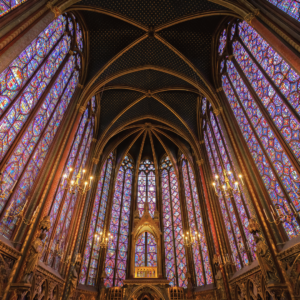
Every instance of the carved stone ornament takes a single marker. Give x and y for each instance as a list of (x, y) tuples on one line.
[(220, 285), (45, 224), (36, 250), (6, 265), (253, 226), (265, 261), (75, 275)]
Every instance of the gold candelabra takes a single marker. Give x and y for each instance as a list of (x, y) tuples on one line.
[(280, 217), (102, 240), (190, 239), (80, 183), (225, 186)]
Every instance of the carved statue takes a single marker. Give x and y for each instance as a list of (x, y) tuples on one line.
[(189, 286), (36, 251), (75, 274), (266, 265), (220, 285)]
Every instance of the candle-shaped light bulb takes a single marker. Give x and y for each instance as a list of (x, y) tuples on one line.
[(86, 183), (91, 177), (216, 176), (214, 184), (72, 182), (101, 232), (84, 170), (224, 187), (70, 169), (65, 176)]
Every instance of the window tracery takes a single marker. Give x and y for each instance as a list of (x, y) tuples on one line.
[(36, 90), (175, 256), (262, 92), (116, 256), (92, 248), (146, 187), (200, 251)]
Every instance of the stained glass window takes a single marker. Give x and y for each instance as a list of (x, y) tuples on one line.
[(291, 7), (146, 187), (92, 248), (262, 91), (116, 256), (175, 256), (66, 196), (235, 213), (7, 5), (30, 116), (146, 251), (200, 251)]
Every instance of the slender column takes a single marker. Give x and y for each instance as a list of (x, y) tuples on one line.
[(8, 54), (188, 251), (288, 55), (227, 210), (212, 225), (231, 197), (77, 240)]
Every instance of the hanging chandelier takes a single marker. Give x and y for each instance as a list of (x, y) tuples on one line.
[(226, 186), (81, 183)]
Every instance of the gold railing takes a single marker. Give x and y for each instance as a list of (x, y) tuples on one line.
[(145, 272)]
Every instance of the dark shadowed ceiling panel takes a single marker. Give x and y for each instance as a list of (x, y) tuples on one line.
[(194, 40), (152, 107), (150, 80), (154, 12), (108, 36), (149, 52), (112, 103), (185, 104)]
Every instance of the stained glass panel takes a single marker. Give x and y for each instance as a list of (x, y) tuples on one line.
[(272, 185), (175, 259), (140, 251), (291, 7), (92, 249), (116, 257), (8, 5), (222, 42)]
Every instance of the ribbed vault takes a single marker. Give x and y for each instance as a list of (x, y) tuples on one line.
[(150, 60)]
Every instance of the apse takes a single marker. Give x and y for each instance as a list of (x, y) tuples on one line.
[(149, 149)]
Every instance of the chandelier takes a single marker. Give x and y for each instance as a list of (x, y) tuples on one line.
[(81, 184), (190, 239), (102, 239), (226, 187)]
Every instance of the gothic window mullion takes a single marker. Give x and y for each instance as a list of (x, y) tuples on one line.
[(16, 97), (93, 242), (119, 226), (53, 233), (77, 195), (173, 234), (232, 167), (32, 153), (32, 114), (232, 198), (228, 214), (294, 160), (270, 81), (286, 195), (196, 222)]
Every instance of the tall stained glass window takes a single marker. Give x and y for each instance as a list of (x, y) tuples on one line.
[(146, 187), (291, 7), (35, 92), (234, 207), (66, 197), (146, 251), (175, 256), (262, 90), (92, 248), (116, 257), (202, 266), (7, 5)]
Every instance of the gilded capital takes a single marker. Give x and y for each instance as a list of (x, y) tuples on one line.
[(82, 109), (249, 17), (80, 85), (230, 57), (95, 161), (94, 140), (55, 9), (200, 162), (71, 52), (220, 89), (217, 111)]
